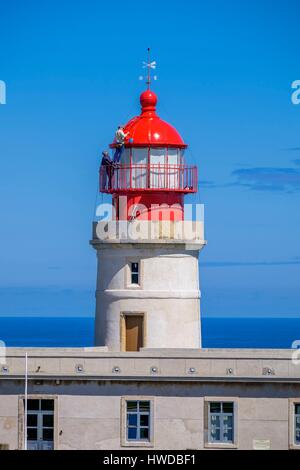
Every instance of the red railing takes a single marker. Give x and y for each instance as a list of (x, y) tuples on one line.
[(158, 177)]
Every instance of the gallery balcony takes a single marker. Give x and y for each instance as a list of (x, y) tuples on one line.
[(123, 178)]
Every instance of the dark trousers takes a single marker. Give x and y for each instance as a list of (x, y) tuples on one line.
[(106, 172), (109, 174), (118, 153)]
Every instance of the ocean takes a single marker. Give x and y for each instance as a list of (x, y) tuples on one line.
[(216, 332)]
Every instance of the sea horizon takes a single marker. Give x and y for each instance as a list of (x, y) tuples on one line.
[(217, 331)]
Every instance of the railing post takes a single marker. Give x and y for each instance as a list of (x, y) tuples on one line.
[(148, 169)]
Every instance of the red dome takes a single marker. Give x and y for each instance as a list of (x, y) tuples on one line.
[(148, 129)]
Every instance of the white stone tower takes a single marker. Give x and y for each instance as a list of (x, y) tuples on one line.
[(148, 276)]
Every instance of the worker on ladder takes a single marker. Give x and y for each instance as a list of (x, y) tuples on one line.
[(120, 137)]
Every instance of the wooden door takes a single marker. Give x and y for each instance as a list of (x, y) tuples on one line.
[(134, 332)]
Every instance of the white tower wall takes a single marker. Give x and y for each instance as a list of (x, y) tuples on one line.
[(168, 294)]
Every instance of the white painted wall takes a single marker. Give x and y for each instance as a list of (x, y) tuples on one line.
[(90, 413), (169, 294)]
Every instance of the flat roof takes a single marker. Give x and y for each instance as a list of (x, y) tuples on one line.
[(96, 363)]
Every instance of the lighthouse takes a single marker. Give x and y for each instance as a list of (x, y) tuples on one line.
[(148, 293)]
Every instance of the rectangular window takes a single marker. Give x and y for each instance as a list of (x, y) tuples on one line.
[(40, 424), (134, 271), (297, 423), (138, 170), (220, 422), (157, 169), (138, 421), (174, 172)]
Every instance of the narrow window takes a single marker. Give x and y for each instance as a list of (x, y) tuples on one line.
[(221, 422), (134, 269), (138, 420), (134, 326), (297, 423), (40, 424)]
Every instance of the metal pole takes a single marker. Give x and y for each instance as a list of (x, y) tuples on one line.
[(149, 70), (25, 407)]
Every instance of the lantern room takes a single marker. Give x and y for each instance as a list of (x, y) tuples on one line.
[(152, 169)]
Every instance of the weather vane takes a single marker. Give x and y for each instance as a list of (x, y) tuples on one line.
[(149, 66)]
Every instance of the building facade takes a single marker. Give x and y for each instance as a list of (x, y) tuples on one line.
[(159, 399)]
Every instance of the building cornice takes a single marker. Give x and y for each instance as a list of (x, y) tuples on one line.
[(207, 365)]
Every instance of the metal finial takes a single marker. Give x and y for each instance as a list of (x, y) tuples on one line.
[(149, 65)]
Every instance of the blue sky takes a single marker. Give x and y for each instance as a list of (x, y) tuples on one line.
[(225, 71)]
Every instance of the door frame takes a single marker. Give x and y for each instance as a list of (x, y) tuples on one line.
[(21, 412), (123, 328)]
